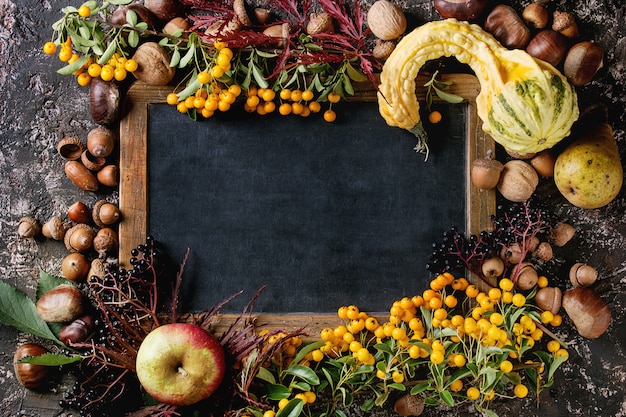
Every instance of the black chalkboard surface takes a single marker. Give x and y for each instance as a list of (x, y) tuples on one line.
[(322, 214)]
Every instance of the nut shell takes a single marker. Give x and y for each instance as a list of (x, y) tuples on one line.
[(386, 20), (61, 304), (549, 299), (81, 176), (588, 311), (153, 64), (28, 227), (518, 181), (70, 148), (320, 23), (101, 141), (92, 163), (79, 238), (105, 241), (54, 228), (582, 275), (29, 375), (565, 24), (97, 270), (164, 9)]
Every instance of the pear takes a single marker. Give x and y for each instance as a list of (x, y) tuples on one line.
[(589, 172)]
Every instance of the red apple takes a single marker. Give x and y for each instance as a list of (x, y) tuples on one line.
[(180, 364)]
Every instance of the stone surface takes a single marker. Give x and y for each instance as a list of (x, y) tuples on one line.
[(39, 107)]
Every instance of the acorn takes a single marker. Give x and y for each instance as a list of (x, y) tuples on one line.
[(485, 172), (105, 241), (543, 251), (105, 214), (54, 228), (79, 238), (79, 213), (527, 276), (75, 267), (28, 227), (582, 275), (549, 299)]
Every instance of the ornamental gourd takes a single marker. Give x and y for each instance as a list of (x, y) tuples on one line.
[(525, 104)]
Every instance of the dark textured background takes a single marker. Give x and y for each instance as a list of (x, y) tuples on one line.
[(38, 107)]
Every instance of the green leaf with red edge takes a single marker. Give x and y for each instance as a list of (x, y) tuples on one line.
[(19, 311)]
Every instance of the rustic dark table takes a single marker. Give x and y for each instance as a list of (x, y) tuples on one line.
[(38, 107)]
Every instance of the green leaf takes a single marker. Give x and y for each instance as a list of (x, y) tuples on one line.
[(303, 372), (191, 88), (186, 59), (74, 66), (347, 85), (292, 409), (142, 26), (258, 77), (419, 388), (368, 404), (47, 281), (450, 98), (446, 397), (133, 38), (121, 2), (265, 375), (175, 58), (108, 53), (490, 413), (399, 387), (354, 74), (264, 54), (305, 350), (51, 359), (131, 17), (555, 365), (19, 311), (277, 392)]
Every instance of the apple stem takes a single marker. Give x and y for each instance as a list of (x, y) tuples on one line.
[(182, 371)]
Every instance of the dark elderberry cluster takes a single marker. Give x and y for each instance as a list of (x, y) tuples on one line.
[(123, 298), (513, 222)]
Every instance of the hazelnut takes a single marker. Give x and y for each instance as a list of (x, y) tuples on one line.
[(549, 299), (536, 15), (582, 62), (565, 24), (28, 227), (279, 33), (105, 241), (79, 238), (29, 375), (386, 20), (54, 228), (108, 176), (507, 26), (101, 141), (543, 251), (70, 148), (543, 163), (75, 267), (105, 214), (527, 276), (262, 15), (518, 181), (79, 213), (590, 314), (77, 331), (320, 23), (63, 303), (549, 46), (81, 176), (562, 233), (582, 275), (485, 172)]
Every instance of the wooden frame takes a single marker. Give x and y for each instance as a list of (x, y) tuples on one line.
[(133, 191)]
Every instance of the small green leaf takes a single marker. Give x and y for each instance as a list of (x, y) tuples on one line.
[(131, 17), (277, 392), (347, 86), (264, 54), (450, 98), (399, 387), (419, 388), (19, 311), (265, 375), (175, 58), (303, 372), (305, 350), (191, 89), (133, 38), (186, 59), (258, 77), (74, 66), (292, 409), (141, 26), (51, 359), (446, 397), (354, 74), (108, 53)]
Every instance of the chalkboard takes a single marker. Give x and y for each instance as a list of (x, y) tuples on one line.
[(322, 214)]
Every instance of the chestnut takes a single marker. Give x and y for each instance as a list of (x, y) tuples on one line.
[(549, 46), (582, 62), (460, 9), (104, 101), (29, 375), (507, 27), (79, 213), (77, 331), (61, 304), (164, 10), (590, 314), (118, 17)]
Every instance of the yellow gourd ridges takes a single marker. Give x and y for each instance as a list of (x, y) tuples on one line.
[(525, 104)]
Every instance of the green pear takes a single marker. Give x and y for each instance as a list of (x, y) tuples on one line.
[(589, 172)]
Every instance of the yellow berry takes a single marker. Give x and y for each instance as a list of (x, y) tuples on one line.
[(49, 48), (434, 117), (83, 79), (520, 390), (473, 393), (397, 377), (84, 11), (506, 366)]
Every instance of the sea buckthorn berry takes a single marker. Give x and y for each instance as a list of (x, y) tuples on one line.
[(428, 295), (434, 117), (285, 94), (436, 357), (363, 354), (226, 51), (519, 300), (542, 282), (307, 95), (371, 324), (556, 321), (342, 312), (553, 346), (181, 107), (381, 374), (253, 101), (268, 94), (235, 90), (49, 48), (459, 360), (83, 79), (296, 95), (330, 116), (216, 71), (120, 74), (283, 403), (561, 352), (398, 333), (94, 69), (334, 97), (172, 99), (219, 45), (546, 316), (107, 73), (506, 284), (459, 284), (353, 312), (471, 291), (494, 294), (339, 331), (520, 390), (507, 297), (65, 54), (496, 319), (310, 397), (456, 385), (297, 108), (84, 11), (473, 393), (355, 346), (435, 303), (203, 77), (206, 113), (131, 65), (397, 377), (356, 325), (457, 320), (450, 301), (269, 413), (440, 314), (506, 366), (315, 106), (223, 60), (199, 102)]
